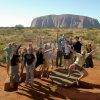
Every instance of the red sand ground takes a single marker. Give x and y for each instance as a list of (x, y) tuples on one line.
[(89, 88)]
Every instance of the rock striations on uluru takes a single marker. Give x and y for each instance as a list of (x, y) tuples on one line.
[(65, 21)]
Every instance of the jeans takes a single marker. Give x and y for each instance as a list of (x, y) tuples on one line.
[(59, 58), (30, 73)]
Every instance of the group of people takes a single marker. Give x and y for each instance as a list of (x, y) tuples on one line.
[(76, 55), (18, 57), (68, 51)]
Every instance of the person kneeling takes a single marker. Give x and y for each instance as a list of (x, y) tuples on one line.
[(79, 62)]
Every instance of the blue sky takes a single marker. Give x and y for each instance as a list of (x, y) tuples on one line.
[(14, 12)]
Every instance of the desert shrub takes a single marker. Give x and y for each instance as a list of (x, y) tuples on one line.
[(1, 47), (96, 39), (2, 58), (46, 33), (49, 35), (19, 26)]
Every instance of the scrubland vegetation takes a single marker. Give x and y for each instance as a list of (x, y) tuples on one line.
[(25, 35)]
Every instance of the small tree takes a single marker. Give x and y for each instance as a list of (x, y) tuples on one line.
[(19, 26)]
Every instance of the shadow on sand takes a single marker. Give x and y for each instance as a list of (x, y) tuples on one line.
[(42, 92), (39, 92)]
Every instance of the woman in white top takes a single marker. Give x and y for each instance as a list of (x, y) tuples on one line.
[(79, 62)]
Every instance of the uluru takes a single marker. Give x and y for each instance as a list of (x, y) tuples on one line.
[(65, 21)]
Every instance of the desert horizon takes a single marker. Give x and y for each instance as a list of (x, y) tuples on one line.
[(49, 50)]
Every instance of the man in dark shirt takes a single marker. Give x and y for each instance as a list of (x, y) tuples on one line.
[(77, 45), (29, 59), (30, 63), (40, 58)]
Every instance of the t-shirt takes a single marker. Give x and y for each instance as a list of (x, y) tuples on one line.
[(29, 58), (77, 47), (40, 58), (8, 53), (15, 60)]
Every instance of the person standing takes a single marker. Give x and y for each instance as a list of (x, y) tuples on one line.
[(14, 68), (47, 55), (60, 51), (22, 54), (40, 58), (30, 62), (8, 51), (72, 50), (89, 60), (77, 45), (67, 55)]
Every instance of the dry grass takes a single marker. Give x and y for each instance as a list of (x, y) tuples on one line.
[(23, 36)]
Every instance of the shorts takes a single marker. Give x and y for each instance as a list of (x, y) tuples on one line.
[(78, 68)]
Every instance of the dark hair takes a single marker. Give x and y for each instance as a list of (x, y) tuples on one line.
[(77, 37)]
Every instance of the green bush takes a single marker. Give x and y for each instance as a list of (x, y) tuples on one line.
[(2, 58)]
